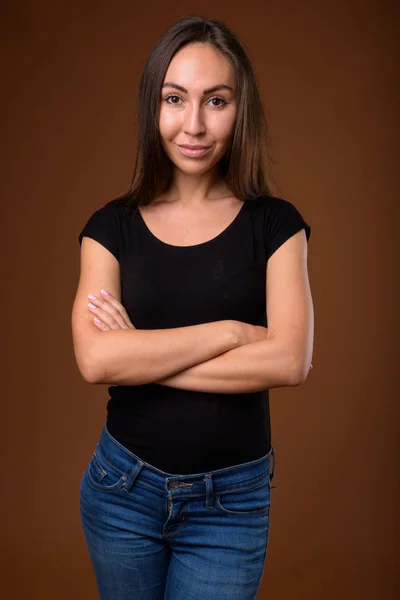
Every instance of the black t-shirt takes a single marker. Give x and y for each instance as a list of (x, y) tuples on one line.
[(165, 286)]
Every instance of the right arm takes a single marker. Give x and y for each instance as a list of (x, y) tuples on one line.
[(135, 356)]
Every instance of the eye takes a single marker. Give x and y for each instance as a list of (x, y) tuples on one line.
[(221, 100), (171, 96), (211, 100)]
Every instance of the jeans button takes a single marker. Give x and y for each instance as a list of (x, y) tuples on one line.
[(173, 485)]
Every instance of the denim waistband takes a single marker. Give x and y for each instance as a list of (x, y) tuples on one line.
[(235, 477)]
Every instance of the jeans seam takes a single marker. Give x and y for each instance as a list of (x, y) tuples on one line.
[(109, 462)]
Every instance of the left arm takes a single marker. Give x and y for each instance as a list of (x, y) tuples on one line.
[(284, 357)]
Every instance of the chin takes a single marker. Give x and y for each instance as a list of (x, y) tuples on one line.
[(192, 169)]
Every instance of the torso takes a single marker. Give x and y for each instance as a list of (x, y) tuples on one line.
[(179, 226)]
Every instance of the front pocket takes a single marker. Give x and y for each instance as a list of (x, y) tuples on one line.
[(250, 502), (102, 475)]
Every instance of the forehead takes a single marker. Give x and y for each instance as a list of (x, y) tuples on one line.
[(200, 66)]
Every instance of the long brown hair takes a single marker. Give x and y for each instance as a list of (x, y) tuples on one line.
[(246, 165)]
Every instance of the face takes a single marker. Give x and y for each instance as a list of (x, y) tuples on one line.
[(191, 113)]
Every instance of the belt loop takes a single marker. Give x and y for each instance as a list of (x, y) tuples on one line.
[(271, 476), (209, 491), (130, 480)]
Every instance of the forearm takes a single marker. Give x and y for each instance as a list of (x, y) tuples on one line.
[(137, 357), (250, 368)]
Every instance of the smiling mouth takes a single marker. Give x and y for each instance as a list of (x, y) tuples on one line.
[(194, 151), (193, 146)]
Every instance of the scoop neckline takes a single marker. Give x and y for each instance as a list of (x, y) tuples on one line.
[(202, 244)]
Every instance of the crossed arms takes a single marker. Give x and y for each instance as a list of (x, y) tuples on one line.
[(211, 357)]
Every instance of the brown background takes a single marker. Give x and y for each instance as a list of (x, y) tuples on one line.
[(70, 72)]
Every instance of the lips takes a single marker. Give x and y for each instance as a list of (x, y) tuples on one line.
[(189, 147), (193, 151)]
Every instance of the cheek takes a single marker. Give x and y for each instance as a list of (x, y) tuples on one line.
[(168, 124), (222, 124), (223, 129)]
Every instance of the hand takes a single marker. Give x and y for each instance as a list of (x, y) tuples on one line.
[(110, 313)]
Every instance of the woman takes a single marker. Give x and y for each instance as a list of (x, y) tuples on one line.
[(175, 499)]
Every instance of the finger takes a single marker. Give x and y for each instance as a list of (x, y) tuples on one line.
[(114, 321), (101, 325), (107, 313), (117, 305)]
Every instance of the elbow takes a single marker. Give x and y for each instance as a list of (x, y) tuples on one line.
[(89, 368), (89, 373), (299, 371)]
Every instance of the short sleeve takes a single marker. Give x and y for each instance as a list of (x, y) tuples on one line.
[(103, 227), (282, 220)]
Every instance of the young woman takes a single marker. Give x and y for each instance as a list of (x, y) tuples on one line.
[(180, 274)]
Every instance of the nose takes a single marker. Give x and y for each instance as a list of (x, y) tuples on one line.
[(194, 120)]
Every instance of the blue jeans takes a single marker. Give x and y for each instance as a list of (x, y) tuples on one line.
[(153, 535)]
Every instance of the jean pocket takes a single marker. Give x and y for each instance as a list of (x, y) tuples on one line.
[(246, 502), (102, 475)]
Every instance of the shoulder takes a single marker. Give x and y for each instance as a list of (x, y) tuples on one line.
[(116, 208), (281, 212), (112, 213), (106, 225), (274, 209), (281, 220), (271, 203)]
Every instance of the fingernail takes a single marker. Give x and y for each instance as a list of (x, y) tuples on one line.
[(92, 297), (92, 305), (105, 292)]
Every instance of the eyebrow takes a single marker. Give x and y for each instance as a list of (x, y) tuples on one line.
[(220, 86)]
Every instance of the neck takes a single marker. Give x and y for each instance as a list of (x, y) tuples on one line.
[(190, 189)]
